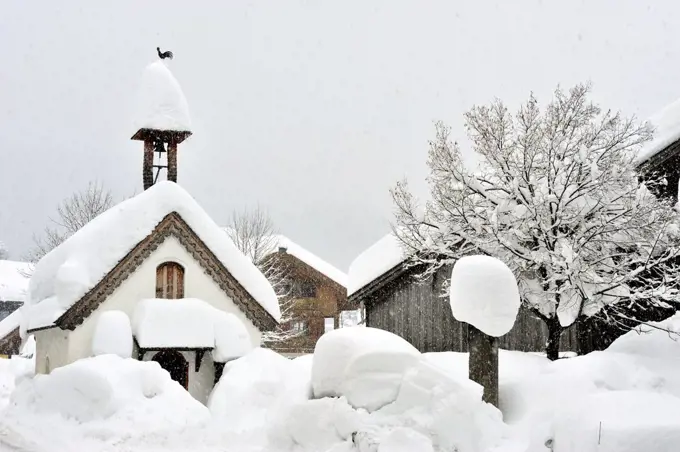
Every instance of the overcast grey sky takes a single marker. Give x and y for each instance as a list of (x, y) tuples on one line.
[(311, 108)]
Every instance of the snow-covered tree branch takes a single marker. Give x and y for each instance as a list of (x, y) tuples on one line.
[(73, 213), (556, 197)]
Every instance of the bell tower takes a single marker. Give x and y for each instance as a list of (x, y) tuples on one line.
[(163, 120), (160, 153)]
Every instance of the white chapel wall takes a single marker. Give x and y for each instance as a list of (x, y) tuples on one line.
[(51, 349), (142, 284)]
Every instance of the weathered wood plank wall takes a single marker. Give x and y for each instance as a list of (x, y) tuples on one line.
[(417, 312)]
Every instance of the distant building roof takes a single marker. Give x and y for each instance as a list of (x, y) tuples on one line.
[(14, 277), (666, 124), (374, 262), (312, 260)]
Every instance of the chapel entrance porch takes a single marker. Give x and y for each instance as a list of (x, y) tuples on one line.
[(175, 364)]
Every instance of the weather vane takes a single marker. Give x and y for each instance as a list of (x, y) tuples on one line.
[(164, 55)]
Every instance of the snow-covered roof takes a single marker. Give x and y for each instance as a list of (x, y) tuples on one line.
[(666, 124), (73, 268), (161, 105), (14, 278), (382, 256), (10, 323), (312, 260), (189, 323)]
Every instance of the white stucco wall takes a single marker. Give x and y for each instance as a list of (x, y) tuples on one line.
[(51, 349), (200, 383), (142, 284)]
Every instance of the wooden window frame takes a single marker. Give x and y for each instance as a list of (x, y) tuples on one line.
[(170, 280)]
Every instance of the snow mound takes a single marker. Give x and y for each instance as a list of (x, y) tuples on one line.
[(619, 421), (231, 338), (375, 261), (192, 323), (14, 278), (73, 268), (112, 334), (162, 105), (366, 365), (484, 293), (186, 322), (111, 395), (334, 421), (258, 390), (405, 440), (12, 371)]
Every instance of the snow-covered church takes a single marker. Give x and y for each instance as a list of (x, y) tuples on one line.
[(154, 277)]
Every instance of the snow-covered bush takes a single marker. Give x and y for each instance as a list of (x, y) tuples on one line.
[(366, 365), (112, 334), (110, 395), (484, 294)]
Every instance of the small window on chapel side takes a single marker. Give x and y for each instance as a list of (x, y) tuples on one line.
[(170, 281)]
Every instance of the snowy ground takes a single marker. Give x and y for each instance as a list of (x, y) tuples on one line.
[(624, 399)]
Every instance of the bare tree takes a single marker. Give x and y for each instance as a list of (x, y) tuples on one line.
[(73, 213), (556, 197), (4, 254), (253, 232)]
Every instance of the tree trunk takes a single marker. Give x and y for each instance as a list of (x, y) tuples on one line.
[(552, 348)]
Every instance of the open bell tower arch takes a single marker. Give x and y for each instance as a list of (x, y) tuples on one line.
[(160, 153)]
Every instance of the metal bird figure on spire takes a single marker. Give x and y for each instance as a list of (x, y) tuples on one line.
[(164, 55)]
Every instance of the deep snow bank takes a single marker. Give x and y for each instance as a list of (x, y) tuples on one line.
[(258, 390), (619, 421), (110, 395), (366, 365)]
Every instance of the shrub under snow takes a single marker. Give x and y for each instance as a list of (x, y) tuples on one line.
[(366, 365)]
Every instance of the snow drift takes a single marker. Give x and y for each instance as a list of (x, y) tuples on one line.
[(111, 396)]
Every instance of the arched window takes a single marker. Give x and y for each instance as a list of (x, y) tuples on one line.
[(170, 280)]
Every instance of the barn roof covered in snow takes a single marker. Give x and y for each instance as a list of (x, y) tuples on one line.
[(382, 257), (161, 103), (312, 260), (66, 284), (666, 125), (14, 278)]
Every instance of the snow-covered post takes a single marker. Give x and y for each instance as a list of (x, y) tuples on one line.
[(484, 294)]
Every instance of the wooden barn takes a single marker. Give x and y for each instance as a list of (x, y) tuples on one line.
[(395, 299)]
